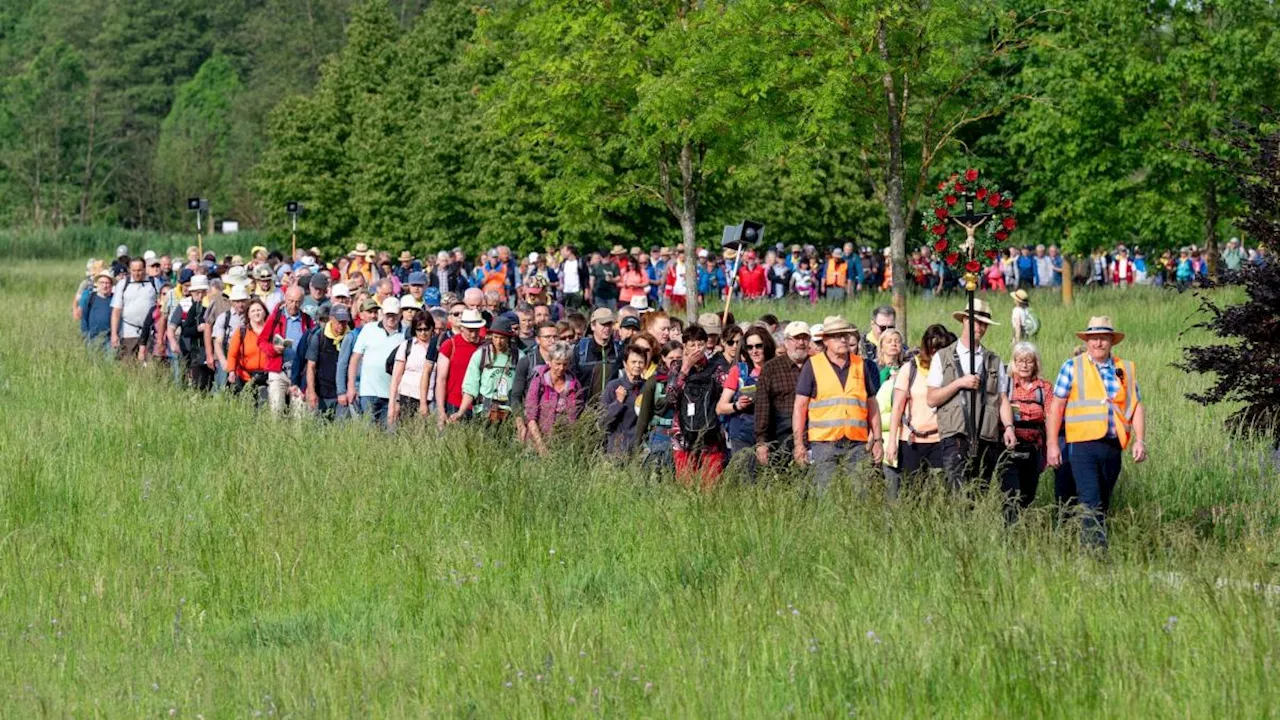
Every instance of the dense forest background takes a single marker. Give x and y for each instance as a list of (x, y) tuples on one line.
[(434, 123)]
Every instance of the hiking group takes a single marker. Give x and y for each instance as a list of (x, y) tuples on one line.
[(530, 349)]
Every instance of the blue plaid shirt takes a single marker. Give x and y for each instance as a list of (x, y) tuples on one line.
[(1110, 381)]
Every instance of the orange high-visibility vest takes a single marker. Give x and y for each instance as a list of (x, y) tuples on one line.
[(1086, 415), (836, 274), (496, 280), (838, 413)]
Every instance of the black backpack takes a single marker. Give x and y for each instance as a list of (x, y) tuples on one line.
[(698, 418), (390, 364)]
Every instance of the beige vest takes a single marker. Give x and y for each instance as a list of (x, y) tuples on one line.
[(954, 414)]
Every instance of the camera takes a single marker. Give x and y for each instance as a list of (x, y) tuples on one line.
[(293, 207)]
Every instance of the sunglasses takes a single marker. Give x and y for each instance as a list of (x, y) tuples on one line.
[(732, 342), (455, 314), (422, 330), (755, 346)]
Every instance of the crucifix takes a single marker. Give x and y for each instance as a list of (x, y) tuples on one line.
[(970, 221)]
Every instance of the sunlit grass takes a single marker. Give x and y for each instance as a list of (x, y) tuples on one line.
[(162, 553)]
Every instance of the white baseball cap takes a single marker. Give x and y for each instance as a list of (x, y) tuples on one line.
[(340, 290), (391, 306)]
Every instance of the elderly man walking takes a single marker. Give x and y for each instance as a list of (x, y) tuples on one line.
[(776, 396), (832, 411), (278, 343), (953, 391), (1096, 394)]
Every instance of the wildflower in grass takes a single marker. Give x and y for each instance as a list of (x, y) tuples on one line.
[(873, 637), (1171, 624)]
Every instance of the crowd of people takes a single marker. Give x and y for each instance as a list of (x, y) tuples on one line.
[(527, 350)]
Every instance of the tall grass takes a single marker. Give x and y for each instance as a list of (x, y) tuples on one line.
[(81, 242), (164, 554)]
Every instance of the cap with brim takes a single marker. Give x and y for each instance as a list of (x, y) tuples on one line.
[(340, 290), (122, 250), (150, 255), (472, 319), (981, 313), (837, 325), (710, 322), (640, 303), (618, 250), (185, 275), (1020, 296), (199, 282), (257, 249), (409, 302), (262, 272), (405, 255), (340, 313), (390, 306), (104, 274), (1101, 325), (369, 305), (320, 280), (238, 292), (630, 322), (815, 331), (417, 278), (795, 329), (602, 315)]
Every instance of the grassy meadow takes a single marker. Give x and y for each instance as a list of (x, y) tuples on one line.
[(174, 556)]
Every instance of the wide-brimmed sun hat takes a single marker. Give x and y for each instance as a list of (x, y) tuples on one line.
[(836, 325), (1020, 296), (1101, 325), (981, 313), (472, 319)]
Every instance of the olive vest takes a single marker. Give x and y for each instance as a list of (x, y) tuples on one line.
[(953, 416)]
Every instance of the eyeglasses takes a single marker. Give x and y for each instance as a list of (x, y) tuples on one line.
[(567, 338), (455, 314), (755, 346), (423, 329)]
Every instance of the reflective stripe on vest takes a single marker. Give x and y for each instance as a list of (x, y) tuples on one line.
[(837, 270), (838, 413), (1086, 417)]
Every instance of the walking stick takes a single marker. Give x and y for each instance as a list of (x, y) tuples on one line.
[(970, 222)]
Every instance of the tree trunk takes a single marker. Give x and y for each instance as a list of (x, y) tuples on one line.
[(893, 199), (688, 230), (1211, 228)]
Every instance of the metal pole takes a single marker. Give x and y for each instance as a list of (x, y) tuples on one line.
[(973, 394), (294, 238), (199, 237), (737, 258)]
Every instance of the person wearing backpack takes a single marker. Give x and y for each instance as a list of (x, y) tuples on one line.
[(835, 417), (411, 372), (737, 399), (324, 345), (191, 330), (372, 348), (1024, 322), (95, 312), (595, 359), (491, 373), (698, 444), (1029, 395)]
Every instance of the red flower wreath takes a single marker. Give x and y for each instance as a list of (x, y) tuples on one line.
[(951, 200)]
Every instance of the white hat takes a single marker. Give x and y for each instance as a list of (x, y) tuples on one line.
[(533, 257), (409, 302), (198, 282), (308, 261), (795, 329), (702, 252), (472, 319), (391, 306), (238, 292), (236, 275), (122, 250), (148, 256), (340, 290), (640, 303), (815, 331)]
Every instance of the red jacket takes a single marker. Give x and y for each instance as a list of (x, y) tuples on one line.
[(275, 325), (752, 281)]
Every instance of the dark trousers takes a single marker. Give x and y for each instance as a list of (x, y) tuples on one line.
[(1025, 475), (914, 461), (200, 376), (1095, 467), (961, 468), (574, 301)]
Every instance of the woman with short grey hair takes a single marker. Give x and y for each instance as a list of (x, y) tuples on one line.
[(554, 396), (1028, 394)]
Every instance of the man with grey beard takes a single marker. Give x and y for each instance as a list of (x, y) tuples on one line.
[(776, 396)]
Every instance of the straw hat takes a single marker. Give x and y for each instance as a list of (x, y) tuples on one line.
[(640, 303), (472, 319), (981, 313), (836, 325), (236, 275), (406, 256), (198, 282), (1020, 296), (618, 250), (1101, 325), (409, 302)]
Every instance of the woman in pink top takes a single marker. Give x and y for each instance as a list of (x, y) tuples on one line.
[(554, 396), (913, 442)]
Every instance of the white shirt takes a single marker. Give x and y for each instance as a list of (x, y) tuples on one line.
[(220, 329), (570, 282), (962, 352), (136, 301), (373, 345), (679, 287)]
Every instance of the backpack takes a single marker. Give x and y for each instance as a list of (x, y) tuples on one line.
[(390, 364), (698, 418), (1030, 324)]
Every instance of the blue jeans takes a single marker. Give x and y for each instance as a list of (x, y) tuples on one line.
[(827, 457), (377, 408), (1095, 466), (327, 408)]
